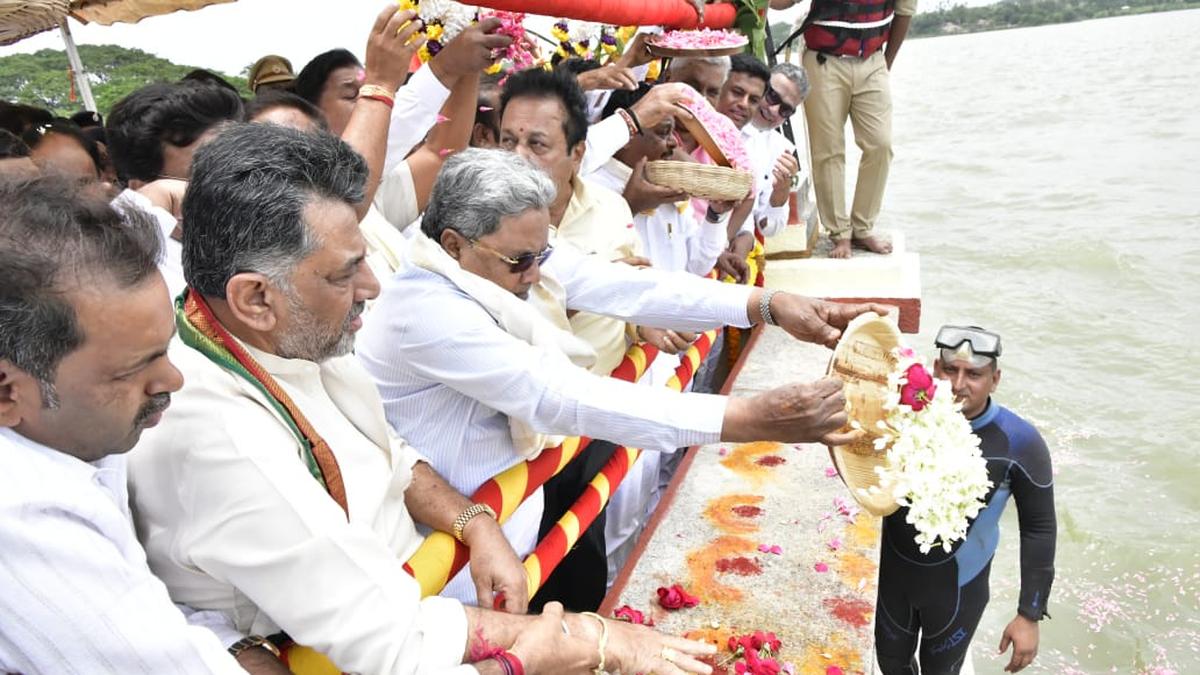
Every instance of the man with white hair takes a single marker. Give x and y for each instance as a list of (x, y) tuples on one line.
[(472, 353), (778, 165)]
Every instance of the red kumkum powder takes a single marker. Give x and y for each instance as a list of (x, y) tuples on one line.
[(747, 511), (853, 611), (740, 566), (770, 460)]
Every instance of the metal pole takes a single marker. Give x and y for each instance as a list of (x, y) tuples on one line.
[(81, 79)]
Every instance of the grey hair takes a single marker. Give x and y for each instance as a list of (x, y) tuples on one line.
[(685, 61), (795, 74), (478, 187), (55, 236), (244, 207)]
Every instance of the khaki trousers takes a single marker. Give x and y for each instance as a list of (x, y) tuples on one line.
[(860, 89)]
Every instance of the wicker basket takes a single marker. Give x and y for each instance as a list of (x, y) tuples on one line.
[(716, 183), (862, 361)]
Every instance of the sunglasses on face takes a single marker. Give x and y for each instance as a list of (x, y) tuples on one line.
[(520, 263), (983, 343), (773, 98)]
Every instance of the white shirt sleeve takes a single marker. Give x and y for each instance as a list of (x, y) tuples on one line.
[(705, 242), (604, 139), (72, 603), (396, 197), (486, 364), (414, 114), (646, 296), (364, 611), (218, 622)]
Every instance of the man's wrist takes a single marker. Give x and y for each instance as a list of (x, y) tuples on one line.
[(1032, 617), (467, 524)]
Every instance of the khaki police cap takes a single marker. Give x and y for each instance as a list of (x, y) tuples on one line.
[(270, 69)]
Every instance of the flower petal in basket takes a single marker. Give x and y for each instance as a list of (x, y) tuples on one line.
[(697, 43), (704, 181), (862, 361)]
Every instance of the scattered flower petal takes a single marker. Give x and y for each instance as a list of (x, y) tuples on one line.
[(676, 597), (821, 567)]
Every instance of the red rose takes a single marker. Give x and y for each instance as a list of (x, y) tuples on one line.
[(676, 598), (919, 390), (627, 613)]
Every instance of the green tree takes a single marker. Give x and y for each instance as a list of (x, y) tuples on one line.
[(43, 78)]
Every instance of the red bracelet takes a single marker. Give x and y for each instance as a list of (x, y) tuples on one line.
[(377, 93), (510, 663)]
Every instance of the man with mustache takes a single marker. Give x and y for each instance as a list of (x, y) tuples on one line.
[(929, 605), (84, 327), (275, 493)]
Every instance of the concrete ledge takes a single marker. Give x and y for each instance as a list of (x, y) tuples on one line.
[(893, 279)]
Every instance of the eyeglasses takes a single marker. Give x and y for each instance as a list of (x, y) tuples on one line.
[(772, 98), (520, 263), (983, 343)]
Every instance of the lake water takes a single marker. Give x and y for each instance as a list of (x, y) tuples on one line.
[(1050, 178)]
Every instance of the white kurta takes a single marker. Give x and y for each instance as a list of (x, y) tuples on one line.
[(76, 595), (233, 521)]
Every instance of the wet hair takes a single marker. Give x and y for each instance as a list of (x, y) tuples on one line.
[(63, 127), (12, 147), (244, 205), (269, 99), (56, 235), (557, 84), (477, 187), (176, 114), (750, 65), (310, 81)]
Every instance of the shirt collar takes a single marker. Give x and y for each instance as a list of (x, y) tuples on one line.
[(986, 417), (279, 366), (85, 470)]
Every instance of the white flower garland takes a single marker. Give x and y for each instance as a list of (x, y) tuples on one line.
[(934, 464)]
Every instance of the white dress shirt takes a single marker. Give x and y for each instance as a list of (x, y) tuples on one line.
[(604, 139), (233, 521), (673, 238), (449, 375), (765, 146), (413, 115), (76, 595)]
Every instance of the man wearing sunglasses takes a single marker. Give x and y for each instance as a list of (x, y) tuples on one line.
[(779, 168), (477, 366), (930, 604)]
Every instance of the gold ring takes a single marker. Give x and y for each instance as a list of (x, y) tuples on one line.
[(668, 654)]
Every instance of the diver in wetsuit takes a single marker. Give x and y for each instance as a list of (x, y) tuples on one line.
[(929, 605)]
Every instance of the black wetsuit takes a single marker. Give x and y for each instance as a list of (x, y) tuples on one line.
[(934, 601)]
